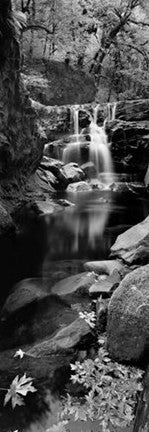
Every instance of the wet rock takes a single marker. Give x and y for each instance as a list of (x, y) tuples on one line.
[(97, 185), (80, 186), (133, 245), (121, 187), (47, 206), (73, 173), (89, 169), (65, 203), (78, 283), (55, 149), (105, 285), (6, 222), (103, 267), (24, 293), (128, 318)]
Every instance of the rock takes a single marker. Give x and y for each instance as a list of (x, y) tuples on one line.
[(50, 164), (40, 318), (97, 185), (47, 177), (55, 149), (103, 267), (24, 293), (65, 203), (78, 283), (65, 339), (135, 110), (135, 188), (6, 222), (50, 358), (128, 318), (56, 168), (80, 186), (89, 169), (73, 173), (105, 285), (101, 314), (39, 184), (133, 245), (47, 206), (130, 146)]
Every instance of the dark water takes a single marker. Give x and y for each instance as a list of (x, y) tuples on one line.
[(63, 241), (57, 246)]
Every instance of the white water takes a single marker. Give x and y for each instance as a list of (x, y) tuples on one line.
[(72, 153), (99, 152)]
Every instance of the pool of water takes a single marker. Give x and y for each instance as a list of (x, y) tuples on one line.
[(56, 246)]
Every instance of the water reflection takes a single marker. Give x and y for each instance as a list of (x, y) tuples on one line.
[(78, 231)]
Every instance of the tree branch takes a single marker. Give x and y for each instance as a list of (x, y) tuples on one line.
[(37, 27)]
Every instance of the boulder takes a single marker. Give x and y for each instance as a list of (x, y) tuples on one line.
[(128, 318), (105, 285), (41, 316), (65, 340), (56, 168), (50, 358), (133, 245), (78, 283), (24, 293), (73, 173), (103, 267), (130, 146), (89, 169), (80, 186)]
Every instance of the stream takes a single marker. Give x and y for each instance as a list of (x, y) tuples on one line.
[(54, 247)]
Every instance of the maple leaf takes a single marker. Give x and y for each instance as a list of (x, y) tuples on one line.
[(19, 353), (19, 387)]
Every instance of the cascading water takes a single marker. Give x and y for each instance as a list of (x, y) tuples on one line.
[(72, 153), (99, 152)]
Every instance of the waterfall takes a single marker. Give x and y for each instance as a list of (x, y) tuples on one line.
[(99, 152), (72, 152), (111, 111)]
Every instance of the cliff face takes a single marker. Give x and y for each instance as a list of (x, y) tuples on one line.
[(20, 143)]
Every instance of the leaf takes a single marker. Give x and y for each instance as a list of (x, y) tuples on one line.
[(19, 353), (19, 387)]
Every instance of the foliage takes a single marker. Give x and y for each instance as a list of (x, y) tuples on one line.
[(109, 39), (110, 392), (19, 353), (89, 317), (19, 387)]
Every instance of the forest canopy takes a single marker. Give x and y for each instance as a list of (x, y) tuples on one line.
[(107, 39)]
